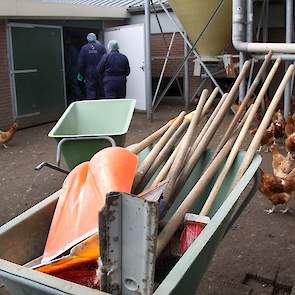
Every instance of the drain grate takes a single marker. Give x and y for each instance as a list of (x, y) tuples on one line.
[(265, 286)]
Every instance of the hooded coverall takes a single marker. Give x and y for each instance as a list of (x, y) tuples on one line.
[(114, 67), (89, 57)]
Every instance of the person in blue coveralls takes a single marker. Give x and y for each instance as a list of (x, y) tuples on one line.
[(114, 67), (89, 57)]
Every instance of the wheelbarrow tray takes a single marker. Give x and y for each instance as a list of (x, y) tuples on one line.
[(23, 238), (84, 122)]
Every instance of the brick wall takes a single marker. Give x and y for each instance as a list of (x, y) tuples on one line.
[(5, 95), (159, 51)]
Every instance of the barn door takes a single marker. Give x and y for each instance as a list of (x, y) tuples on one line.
[(37, 72), (134, 50)]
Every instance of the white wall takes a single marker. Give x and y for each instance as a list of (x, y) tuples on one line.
[(166, 23)]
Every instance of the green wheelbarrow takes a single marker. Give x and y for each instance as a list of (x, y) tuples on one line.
[(87, 127), (23, 238)]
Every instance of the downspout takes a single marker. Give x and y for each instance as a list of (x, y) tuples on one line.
[(238, 31)]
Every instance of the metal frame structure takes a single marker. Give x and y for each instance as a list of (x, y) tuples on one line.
[(189, 49), (243, 21)]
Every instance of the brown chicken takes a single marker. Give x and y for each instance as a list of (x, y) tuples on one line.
[(268, 136), (277, 190), (6, 136), (289, 128), (279, 124), (290, 143), (281, 165)]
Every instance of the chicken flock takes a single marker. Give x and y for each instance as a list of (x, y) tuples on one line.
[(279, 186)]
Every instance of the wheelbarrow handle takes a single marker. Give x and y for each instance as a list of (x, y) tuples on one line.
[(52, 166), (59, 146)]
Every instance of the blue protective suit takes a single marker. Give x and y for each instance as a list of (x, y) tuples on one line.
[(89, 57), (114, 67)]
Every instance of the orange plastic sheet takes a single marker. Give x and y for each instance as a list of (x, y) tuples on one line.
[(83, 196)]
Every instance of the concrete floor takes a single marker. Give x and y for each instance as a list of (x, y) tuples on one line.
[(258, 246)]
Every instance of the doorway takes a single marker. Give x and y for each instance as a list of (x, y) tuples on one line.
[(74, 39), (37, 72)]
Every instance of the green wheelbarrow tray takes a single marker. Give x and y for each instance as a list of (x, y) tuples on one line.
[(89, 126), (23, 238)]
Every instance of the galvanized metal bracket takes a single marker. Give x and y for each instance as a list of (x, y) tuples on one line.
[(128, 228)]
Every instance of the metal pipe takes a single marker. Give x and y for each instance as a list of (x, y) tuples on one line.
[(289, 35), (148, 63), (238, 31), (186, 76), (249, 35), (290, 57)]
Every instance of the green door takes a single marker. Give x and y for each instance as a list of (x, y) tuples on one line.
[(38, 73)]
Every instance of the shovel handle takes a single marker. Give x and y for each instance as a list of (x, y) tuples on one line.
[(244, 103), (209, 101), (139, 147), (228, 164), (197, 153), (244, 131), (264, 124), (177, 218), (165, 170), (183, 149), (147, 162)]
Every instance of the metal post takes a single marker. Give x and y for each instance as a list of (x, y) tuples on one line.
[(186, 77), (249, 20), (242, 88), (265, 21), (148, 63), (289, 31)]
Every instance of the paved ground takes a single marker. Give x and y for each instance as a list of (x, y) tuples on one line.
[(256, 257)]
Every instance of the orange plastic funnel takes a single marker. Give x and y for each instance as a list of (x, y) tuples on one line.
[(83, 196)]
